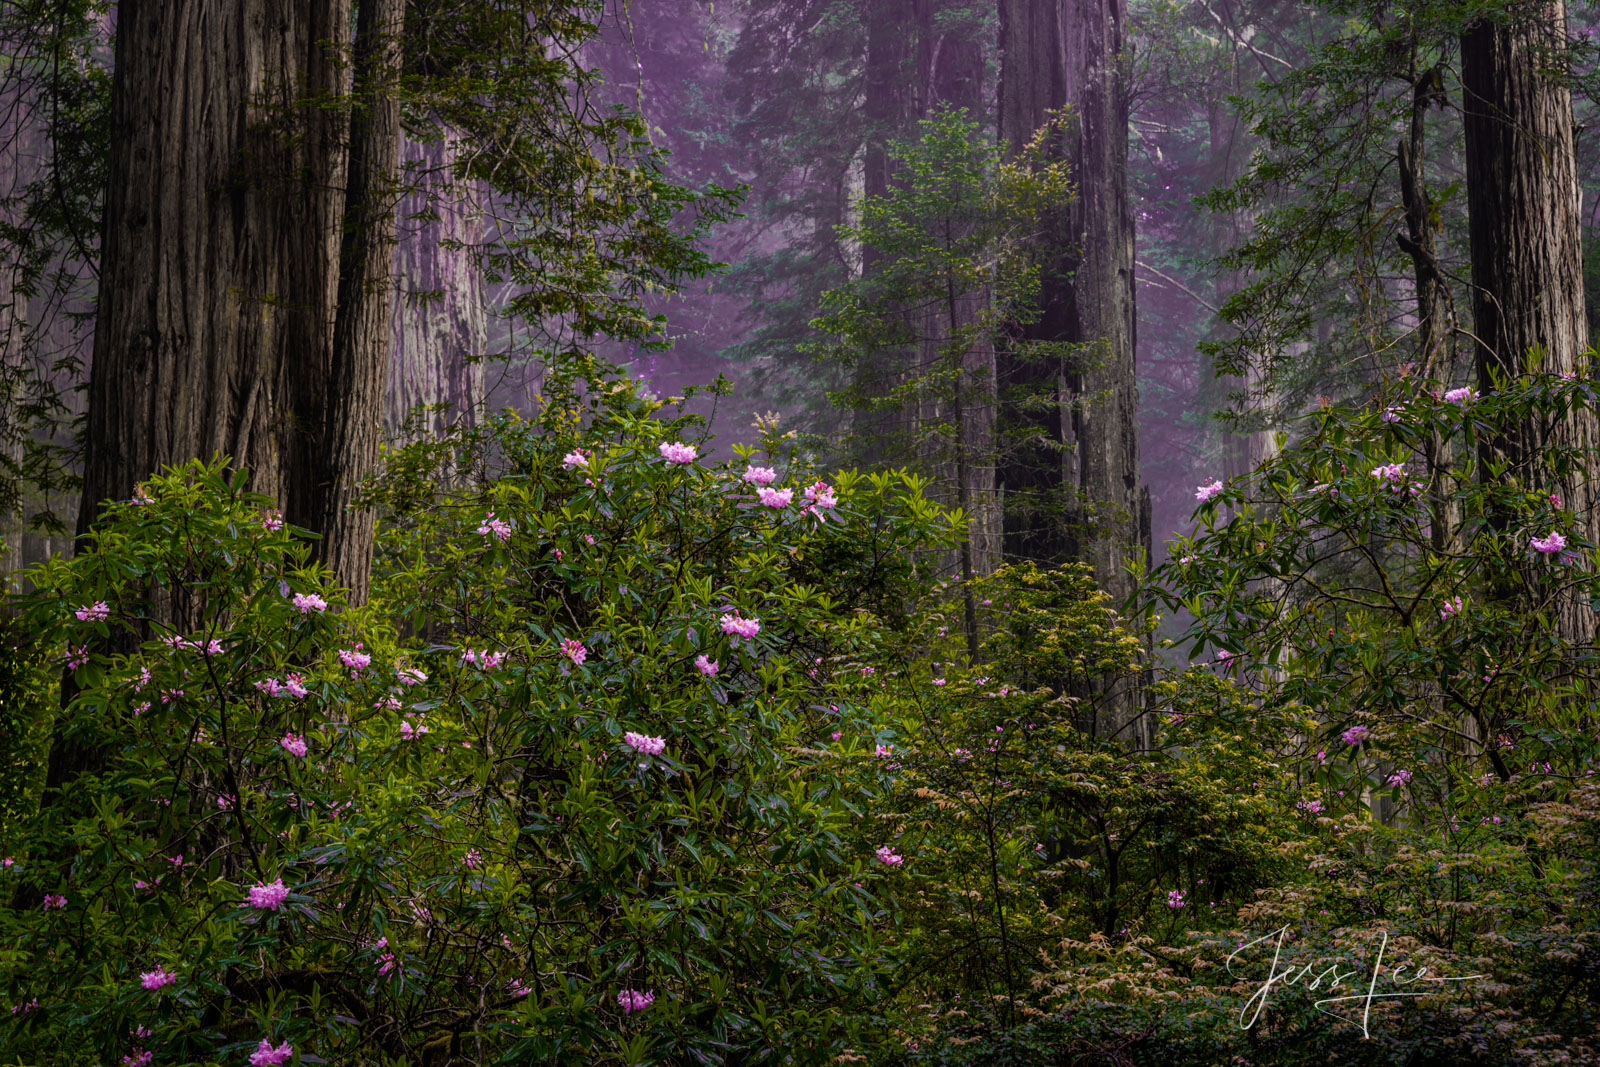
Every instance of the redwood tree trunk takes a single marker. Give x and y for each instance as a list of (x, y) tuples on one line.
[(216, 281), (439, 322), (1057, 53), (361, 324), (1527, 264)]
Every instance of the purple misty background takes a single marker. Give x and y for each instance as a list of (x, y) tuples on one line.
[(669, 58)]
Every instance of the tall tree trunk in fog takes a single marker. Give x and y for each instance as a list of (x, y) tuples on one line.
[(1057, 53), (890, 96), (13, 323), (218, 248), (439, 321), (1071, 53), (1527, 265), (361, 322)]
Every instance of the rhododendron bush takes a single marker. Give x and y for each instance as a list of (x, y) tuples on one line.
[(536, 802)]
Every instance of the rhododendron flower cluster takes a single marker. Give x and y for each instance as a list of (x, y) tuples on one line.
[(410, 676), (355, 659), (1399, 777), (1356, 735), (760, 475), (733, 624), (1548, 545), (268, 896), (267, 1056), (1463, 396), (54, 900), (645, 744), (573, 649), (484, 660), (576, 458), (1209, 490), (498, 527), (677, 452), (820, 499), (632, 1000), (1390, 415), (887, 856), (705, 665), (309, 602), (294, 744), (775, 498), (1451, 608), (272, 521), (1175, 899), (96, 612), (411, 730), (153, 980)]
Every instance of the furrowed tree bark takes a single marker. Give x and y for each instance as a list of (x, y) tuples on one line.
[(1071, 53), (361, 325), (1523, 201), (439, 321), (216, 278)]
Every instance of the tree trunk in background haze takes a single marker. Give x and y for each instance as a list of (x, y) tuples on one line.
[(1527, 265), (13, 325), (1071, 53), (361, 324), (884, 435), (217, 251), (439, 321)]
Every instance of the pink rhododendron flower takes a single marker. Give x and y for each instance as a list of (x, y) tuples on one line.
[(139, 1058), (836, 735), (498, 527), (760, 475), (410, 676), (1451, 608), (1356, 735), (1310, 807), (54, 900), (573, 649), (677, 452), (938, 681), (487, 661), (733, 624), (575, 458), (883, 750), (355, 659), (295, 685), (267, 895), (634, 1000), (887, 856), (705, 665), (272, 521), (294, 744), (96, 612), (644, 744), (141, 497), (309, 602), (474, 859), (1400, 777), (1548, 545), (153, 980), (270, 686), (1462, 396), (410, 731), (1175, 899), (1390, 415), (774, 498), (77, 657), (267, 1056), (1209, 490)]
